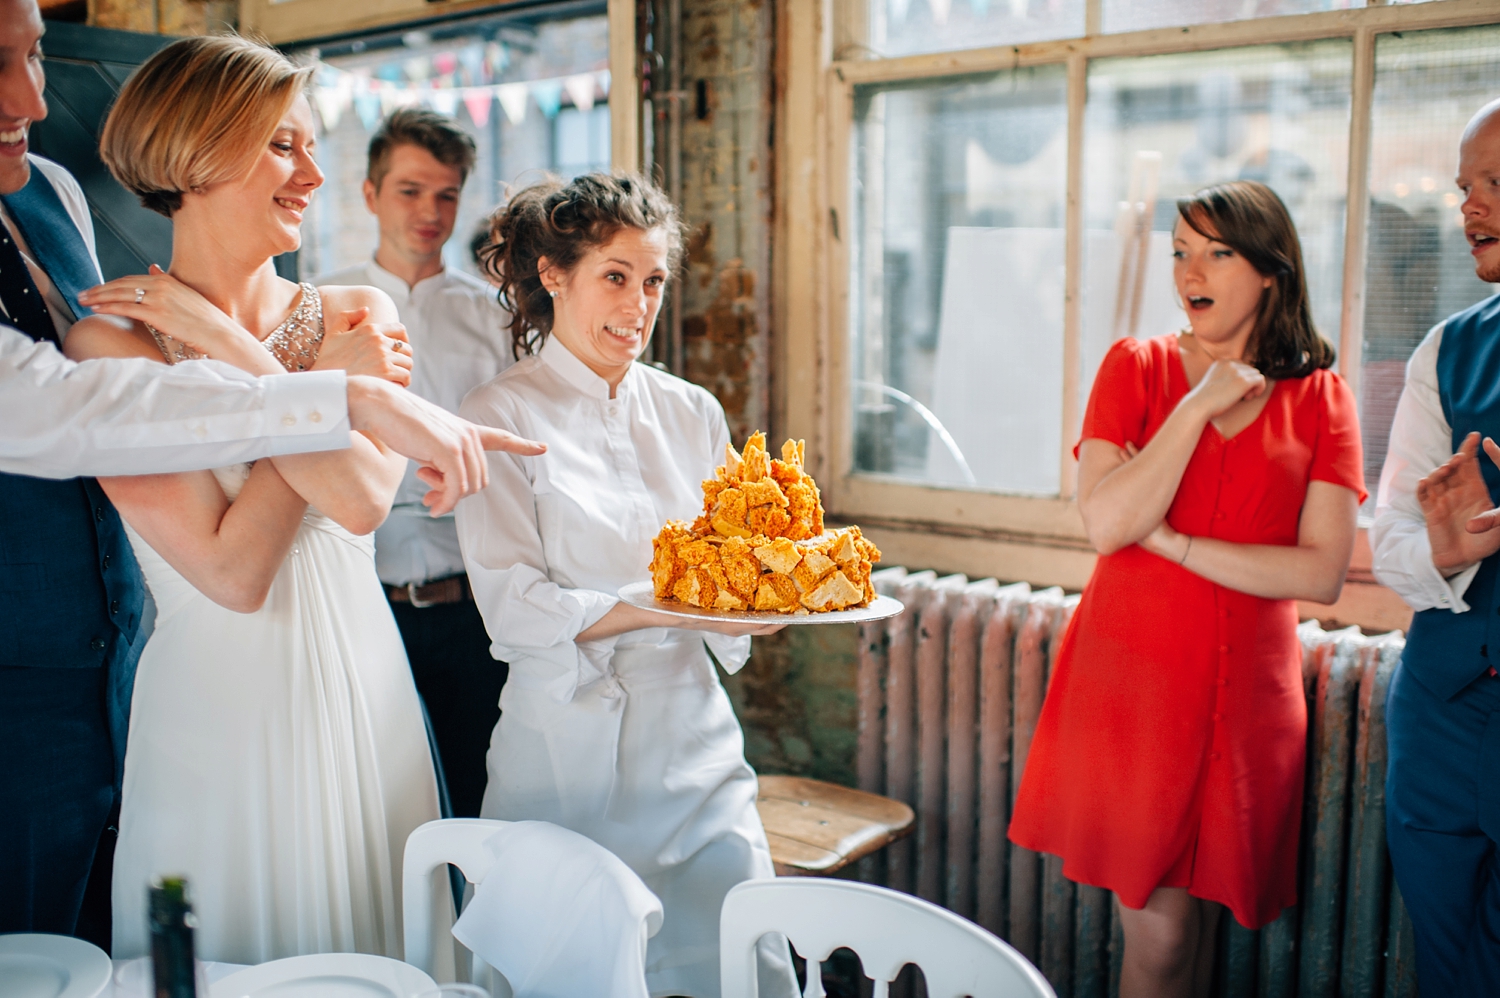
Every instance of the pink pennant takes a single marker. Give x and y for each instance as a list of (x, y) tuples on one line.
[(477, 100)]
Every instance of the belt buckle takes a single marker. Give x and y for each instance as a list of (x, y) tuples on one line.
[(411, 594)]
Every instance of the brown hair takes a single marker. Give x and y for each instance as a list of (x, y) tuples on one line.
[(197, 113), (562, 222), (1250, 219), (416, 126)]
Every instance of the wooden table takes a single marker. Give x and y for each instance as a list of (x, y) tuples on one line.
[(816, 828)]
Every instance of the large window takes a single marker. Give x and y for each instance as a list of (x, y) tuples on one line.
[(1176, 123), (532, 90), (1009, 211), (958, 257), (1427, 84)]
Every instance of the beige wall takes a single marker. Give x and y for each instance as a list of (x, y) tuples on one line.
[(165, 17)]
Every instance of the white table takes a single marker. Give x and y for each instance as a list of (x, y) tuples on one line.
[(132, 978)]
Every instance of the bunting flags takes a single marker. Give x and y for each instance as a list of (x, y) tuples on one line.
[(548, 96), (580, 87), (478, 101), (374, 95), (512, 97)]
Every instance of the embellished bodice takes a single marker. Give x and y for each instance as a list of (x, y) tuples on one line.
[(295, 343)]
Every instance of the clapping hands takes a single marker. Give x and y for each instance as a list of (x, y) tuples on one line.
[(1461, 518)]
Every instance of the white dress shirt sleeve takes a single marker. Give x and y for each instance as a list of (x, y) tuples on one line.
[(526, 613), (1420, 441), (59, 419)]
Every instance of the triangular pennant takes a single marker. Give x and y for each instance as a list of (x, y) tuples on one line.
[(331, 103), (445, 101), (580, 88), (477, 100), (497, 57), (472, 59), (548, 96), (367, 106), (513, 99), (603, 76)]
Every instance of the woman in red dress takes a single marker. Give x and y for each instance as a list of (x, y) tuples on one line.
[(1219, 478)]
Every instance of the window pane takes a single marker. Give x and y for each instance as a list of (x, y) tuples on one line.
[(1275, 113), (957, 248), (1137, 15), (1418, 268), (903, 27), (531, 91)]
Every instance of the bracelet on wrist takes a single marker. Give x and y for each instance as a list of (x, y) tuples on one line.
[(1183, 559)]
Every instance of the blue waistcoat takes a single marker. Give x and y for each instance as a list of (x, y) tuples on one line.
[(1447, 651), (71, 592), (70, 589)]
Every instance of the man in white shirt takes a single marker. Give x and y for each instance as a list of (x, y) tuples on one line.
[(418, 162), (1436, 542)]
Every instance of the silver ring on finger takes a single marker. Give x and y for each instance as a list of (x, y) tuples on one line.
[(396, 345), (140, 294)]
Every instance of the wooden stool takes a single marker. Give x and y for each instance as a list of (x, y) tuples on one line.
[(816, 827)]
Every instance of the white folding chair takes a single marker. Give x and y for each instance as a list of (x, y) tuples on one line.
[(456, 841), (886, 928)]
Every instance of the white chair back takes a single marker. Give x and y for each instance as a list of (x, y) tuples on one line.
[(456, 841), (886, 928)]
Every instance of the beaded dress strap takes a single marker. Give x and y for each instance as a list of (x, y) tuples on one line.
[(295, 343)]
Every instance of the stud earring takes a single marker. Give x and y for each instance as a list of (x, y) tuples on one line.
[(552, 293)]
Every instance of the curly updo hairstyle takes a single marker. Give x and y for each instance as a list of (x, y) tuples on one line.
[(562, 222), (1250, 219)]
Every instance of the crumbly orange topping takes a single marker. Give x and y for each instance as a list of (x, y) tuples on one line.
[(760, 542)]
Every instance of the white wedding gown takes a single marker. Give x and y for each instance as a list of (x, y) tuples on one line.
[(277, 758)]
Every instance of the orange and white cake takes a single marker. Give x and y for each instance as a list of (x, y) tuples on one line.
[(760, 542)]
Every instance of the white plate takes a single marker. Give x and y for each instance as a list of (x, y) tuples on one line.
[(36, 965), (326, 975), (642, 594)]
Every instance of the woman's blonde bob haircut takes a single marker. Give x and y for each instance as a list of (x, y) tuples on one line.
[(199, 112)]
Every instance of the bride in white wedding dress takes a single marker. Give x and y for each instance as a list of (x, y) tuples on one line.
[(277, 754)]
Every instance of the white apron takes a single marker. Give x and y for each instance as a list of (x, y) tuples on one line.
[(630, 741)]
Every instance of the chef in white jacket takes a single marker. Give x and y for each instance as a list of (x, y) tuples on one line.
[(613, 722)]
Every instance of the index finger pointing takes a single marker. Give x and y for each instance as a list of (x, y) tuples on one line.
[(491, 438)]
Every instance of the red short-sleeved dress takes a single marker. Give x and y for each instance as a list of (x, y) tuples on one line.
[(1170, 748)]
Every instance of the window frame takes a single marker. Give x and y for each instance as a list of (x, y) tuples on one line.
[(1039, 539)]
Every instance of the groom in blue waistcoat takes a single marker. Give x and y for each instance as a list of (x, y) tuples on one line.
[(1441, 552), (71, 593)]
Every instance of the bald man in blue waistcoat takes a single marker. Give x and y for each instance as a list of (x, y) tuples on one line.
[(1436, 541)]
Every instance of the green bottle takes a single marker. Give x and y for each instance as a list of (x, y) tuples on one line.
[(171, 916)]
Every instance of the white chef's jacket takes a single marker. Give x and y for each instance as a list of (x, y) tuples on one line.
[(552, 539), (1420, 441), (59, 419), (459, 340), (630, 740)]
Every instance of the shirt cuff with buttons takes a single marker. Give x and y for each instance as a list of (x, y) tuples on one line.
[(307, 411), (1447, 593)]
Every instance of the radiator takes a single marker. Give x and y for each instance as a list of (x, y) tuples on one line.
[(949, 692)]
